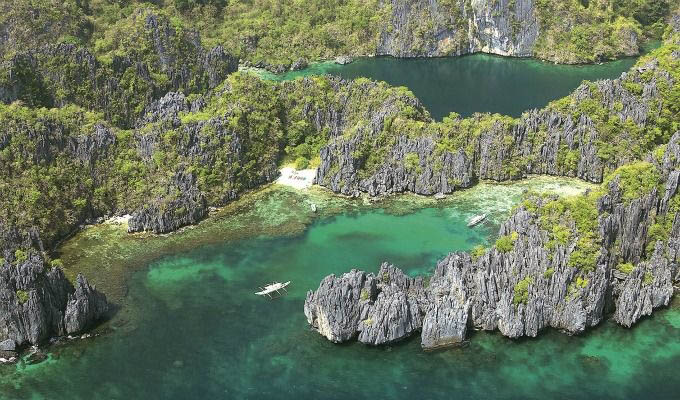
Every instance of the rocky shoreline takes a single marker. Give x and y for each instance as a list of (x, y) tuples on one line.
[(524, 284), (176, 155), (510, 28), (39, 302)]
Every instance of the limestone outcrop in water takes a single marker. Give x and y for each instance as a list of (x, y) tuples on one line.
[(558, 140), (87, 137), (38, 301), (539, 275), (379, 309)]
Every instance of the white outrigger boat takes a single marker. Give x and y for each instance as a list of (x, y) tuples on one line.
[(476, 220), (273, 288)]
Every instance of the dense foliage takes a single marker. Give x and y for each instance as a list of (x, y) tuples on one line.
[(84, 135), (281, 32), (61, 166), (587, 31)]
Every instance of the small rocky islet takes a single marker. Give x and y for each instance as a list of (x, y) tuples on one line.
[(165, 131)]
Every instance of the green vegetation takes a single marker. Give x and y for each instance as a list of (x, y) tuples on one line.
[(648, 279), (301, 163), (238, 137), (281, 32), (20, 256), (575, 288), (561, 234), (243, 127), (506, 243), (365, 294), (477, 252), (581, 282), (521, 291), (572, 219), (637, 179), (22, 296), (412, 161), (576, 31), (626, 268), (549, 273), (661, 228)]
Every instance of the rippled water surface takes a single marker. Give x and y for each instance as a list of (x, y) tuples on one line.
[(190, 326), (475, 83)]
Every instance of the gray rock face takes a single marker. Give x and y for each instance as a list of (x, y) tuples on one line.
[(675, 23), (445, 324), (7, 345), (377, 309), (533, 286), (343, 60), (182, 205), (299, 64), (40, 302), (178, 55), (340, 304), (180, 202), (85, 306), (398, 309), (395, 175), (539, 143), (647, 288), (437, 28)]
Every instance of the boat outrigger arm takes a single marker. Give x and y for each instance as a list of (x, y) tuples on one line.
[(273, 288)]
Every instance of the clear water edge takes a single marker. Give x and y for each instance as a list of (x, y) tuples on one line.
[(199, 332), (471, 83), (189, 324)]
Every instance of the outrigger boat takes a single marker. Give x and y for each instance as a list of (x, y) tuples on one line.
[(273, 288), (476, 220)]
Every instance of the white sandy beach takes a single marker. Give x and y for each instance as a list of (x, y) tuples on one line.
[(116, 220), (299, 179)]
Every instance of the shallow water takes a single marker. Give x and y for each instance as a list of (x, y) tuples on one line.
[(474, 83), (198, 331)]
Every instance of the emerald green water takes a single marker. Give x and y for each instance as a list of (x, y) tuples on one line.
[(475, 83), (190, 326)]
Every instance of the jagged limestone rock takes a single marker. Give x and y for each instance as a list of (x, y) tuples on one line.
[(531, 286), (505, 27), (183, 205), (85, 306), (445, 324), (176, 55), (39, 302), (340, 304), (649, 286), (398, 309), (536, 144)]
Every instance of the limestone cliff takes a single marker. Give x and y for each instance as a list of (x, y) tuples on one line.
[(533, 282), (438, 28), (562, 140), (541, 274), (165, 59), (38, 301)]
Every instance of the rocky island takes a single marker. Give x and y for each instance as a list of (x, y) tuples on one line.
[(564, 264), (134, 108), (539, 274)]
